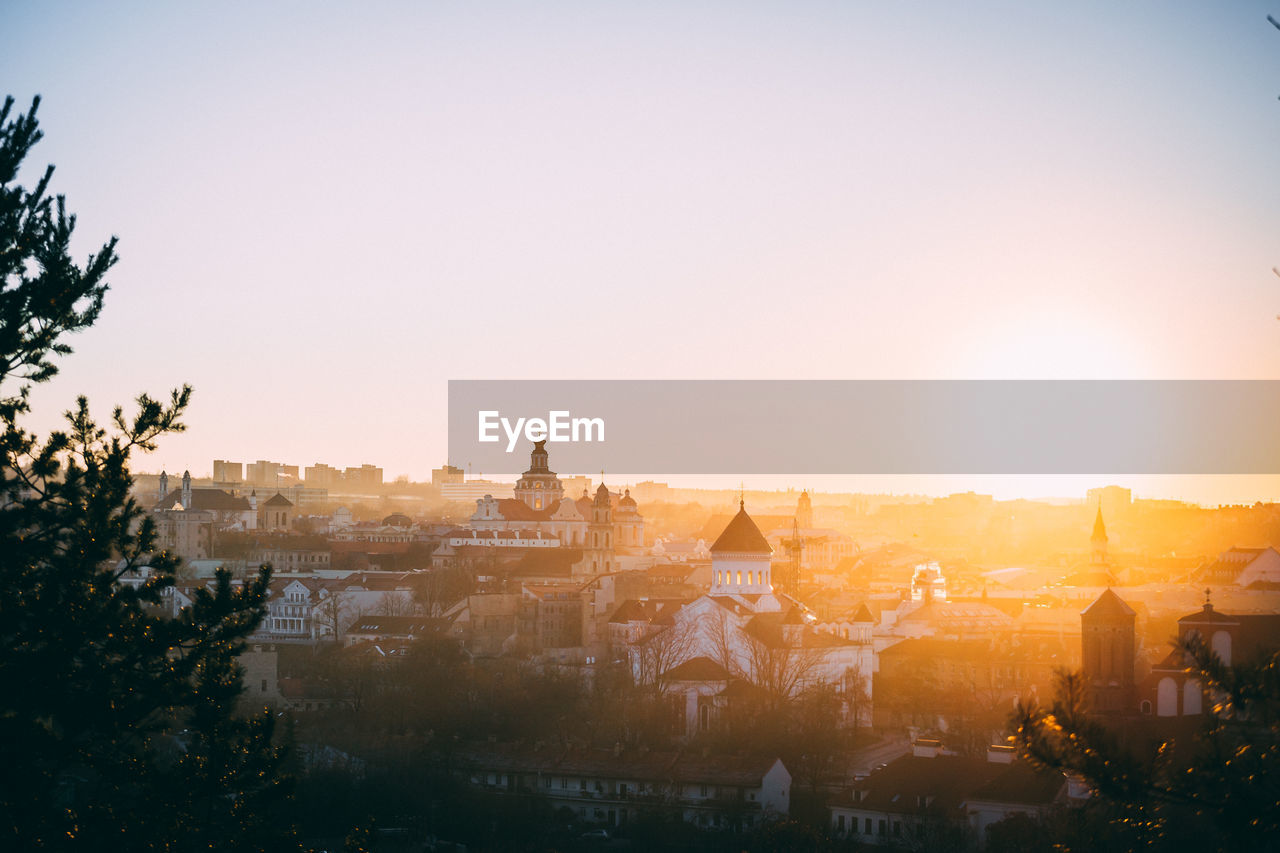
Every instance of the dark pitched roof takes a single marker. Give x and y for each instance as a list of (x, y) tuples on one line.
[(742, 536), (863, 614), (911, 783), (1022, 784), (278, 500), (645, 610), (215, 500), (404, 626), (513, 509), (698, 669), (1108, 605)]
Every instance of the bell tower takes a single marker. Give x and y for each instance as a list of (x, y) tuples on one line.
[(539, 487), (1107, 641), (599, 557)]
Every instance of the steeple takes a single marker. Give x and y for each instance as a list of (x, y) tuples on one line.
[(1098, 541), (1099, 528), (186, 490)]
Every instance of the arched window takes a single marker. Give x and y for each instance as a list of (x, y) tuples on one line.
[(1222, 646), (1167, 698), (1191, 697), (1145, 707)]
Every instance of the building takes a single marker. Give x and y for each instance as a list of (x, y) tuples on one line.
[(1257, 568), (1170, 691), (473, 490), (227, 472), (322, 476), (933, 800), (367, 478), (187, 518), (604, 527), (265, 473), (1108, 651), (1112, 500), (759, 636), (276, 514), (446, 474), (613, 787)]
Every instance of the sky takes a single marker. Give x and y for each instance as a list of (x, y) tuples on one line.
[(328, 210)]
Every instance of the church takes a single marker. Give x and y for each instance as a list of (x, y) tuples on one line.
[(605, 524), (742, 632)]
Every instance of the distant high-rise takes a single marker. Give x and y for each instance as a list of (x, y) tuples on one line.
[(1112, 500), (446, 474), (227, 472)]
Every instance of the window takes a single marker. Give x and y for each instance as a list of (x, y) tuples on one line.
[(839, 823), (867, 826), (881, 826)]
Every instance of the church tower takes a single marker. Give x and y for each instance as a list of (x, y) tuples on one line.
[(164, 485), (539, 487), (599, 555), (1107, 641), (1098, 542), (804, 511), (186, 490), (740, 558)]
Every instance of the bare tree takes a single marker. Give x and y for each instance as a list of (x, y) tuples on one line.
[(396, 603), (332, 613), (779, 665), (855, 691), (660, 652), (719, 633), (436, 590)]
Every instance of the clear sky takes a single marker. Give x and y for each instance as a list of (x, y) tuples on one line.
[(327, 210)]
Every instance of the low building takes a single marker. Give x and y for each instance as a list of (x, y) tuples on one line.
[(930, 799), (613, 787)]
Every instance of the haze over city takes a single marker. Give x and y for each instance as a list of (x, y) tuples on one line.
[(347, 586), (335, 210)]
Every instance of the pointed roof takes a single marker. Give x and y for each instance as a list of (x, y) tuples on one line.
[(1108, 605), (863, 614), (1099, 529), (278, 500), (742, 536)]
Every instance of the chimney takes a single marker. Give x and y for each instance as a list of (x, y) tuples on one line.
[(926, 748), (999, 753)]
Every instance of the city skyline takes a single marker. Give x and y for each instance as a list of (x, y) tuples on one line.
[(810, 191)]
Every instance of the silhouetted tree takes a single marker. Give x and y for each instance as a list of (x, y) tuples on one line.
[(1220, 786), (117, 728)]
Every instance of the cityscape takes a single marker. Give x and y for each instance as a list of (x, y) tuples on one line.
[(925, 356)]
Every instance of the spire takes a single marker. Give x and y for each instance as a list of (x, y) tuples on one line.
[(1099, 528)]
